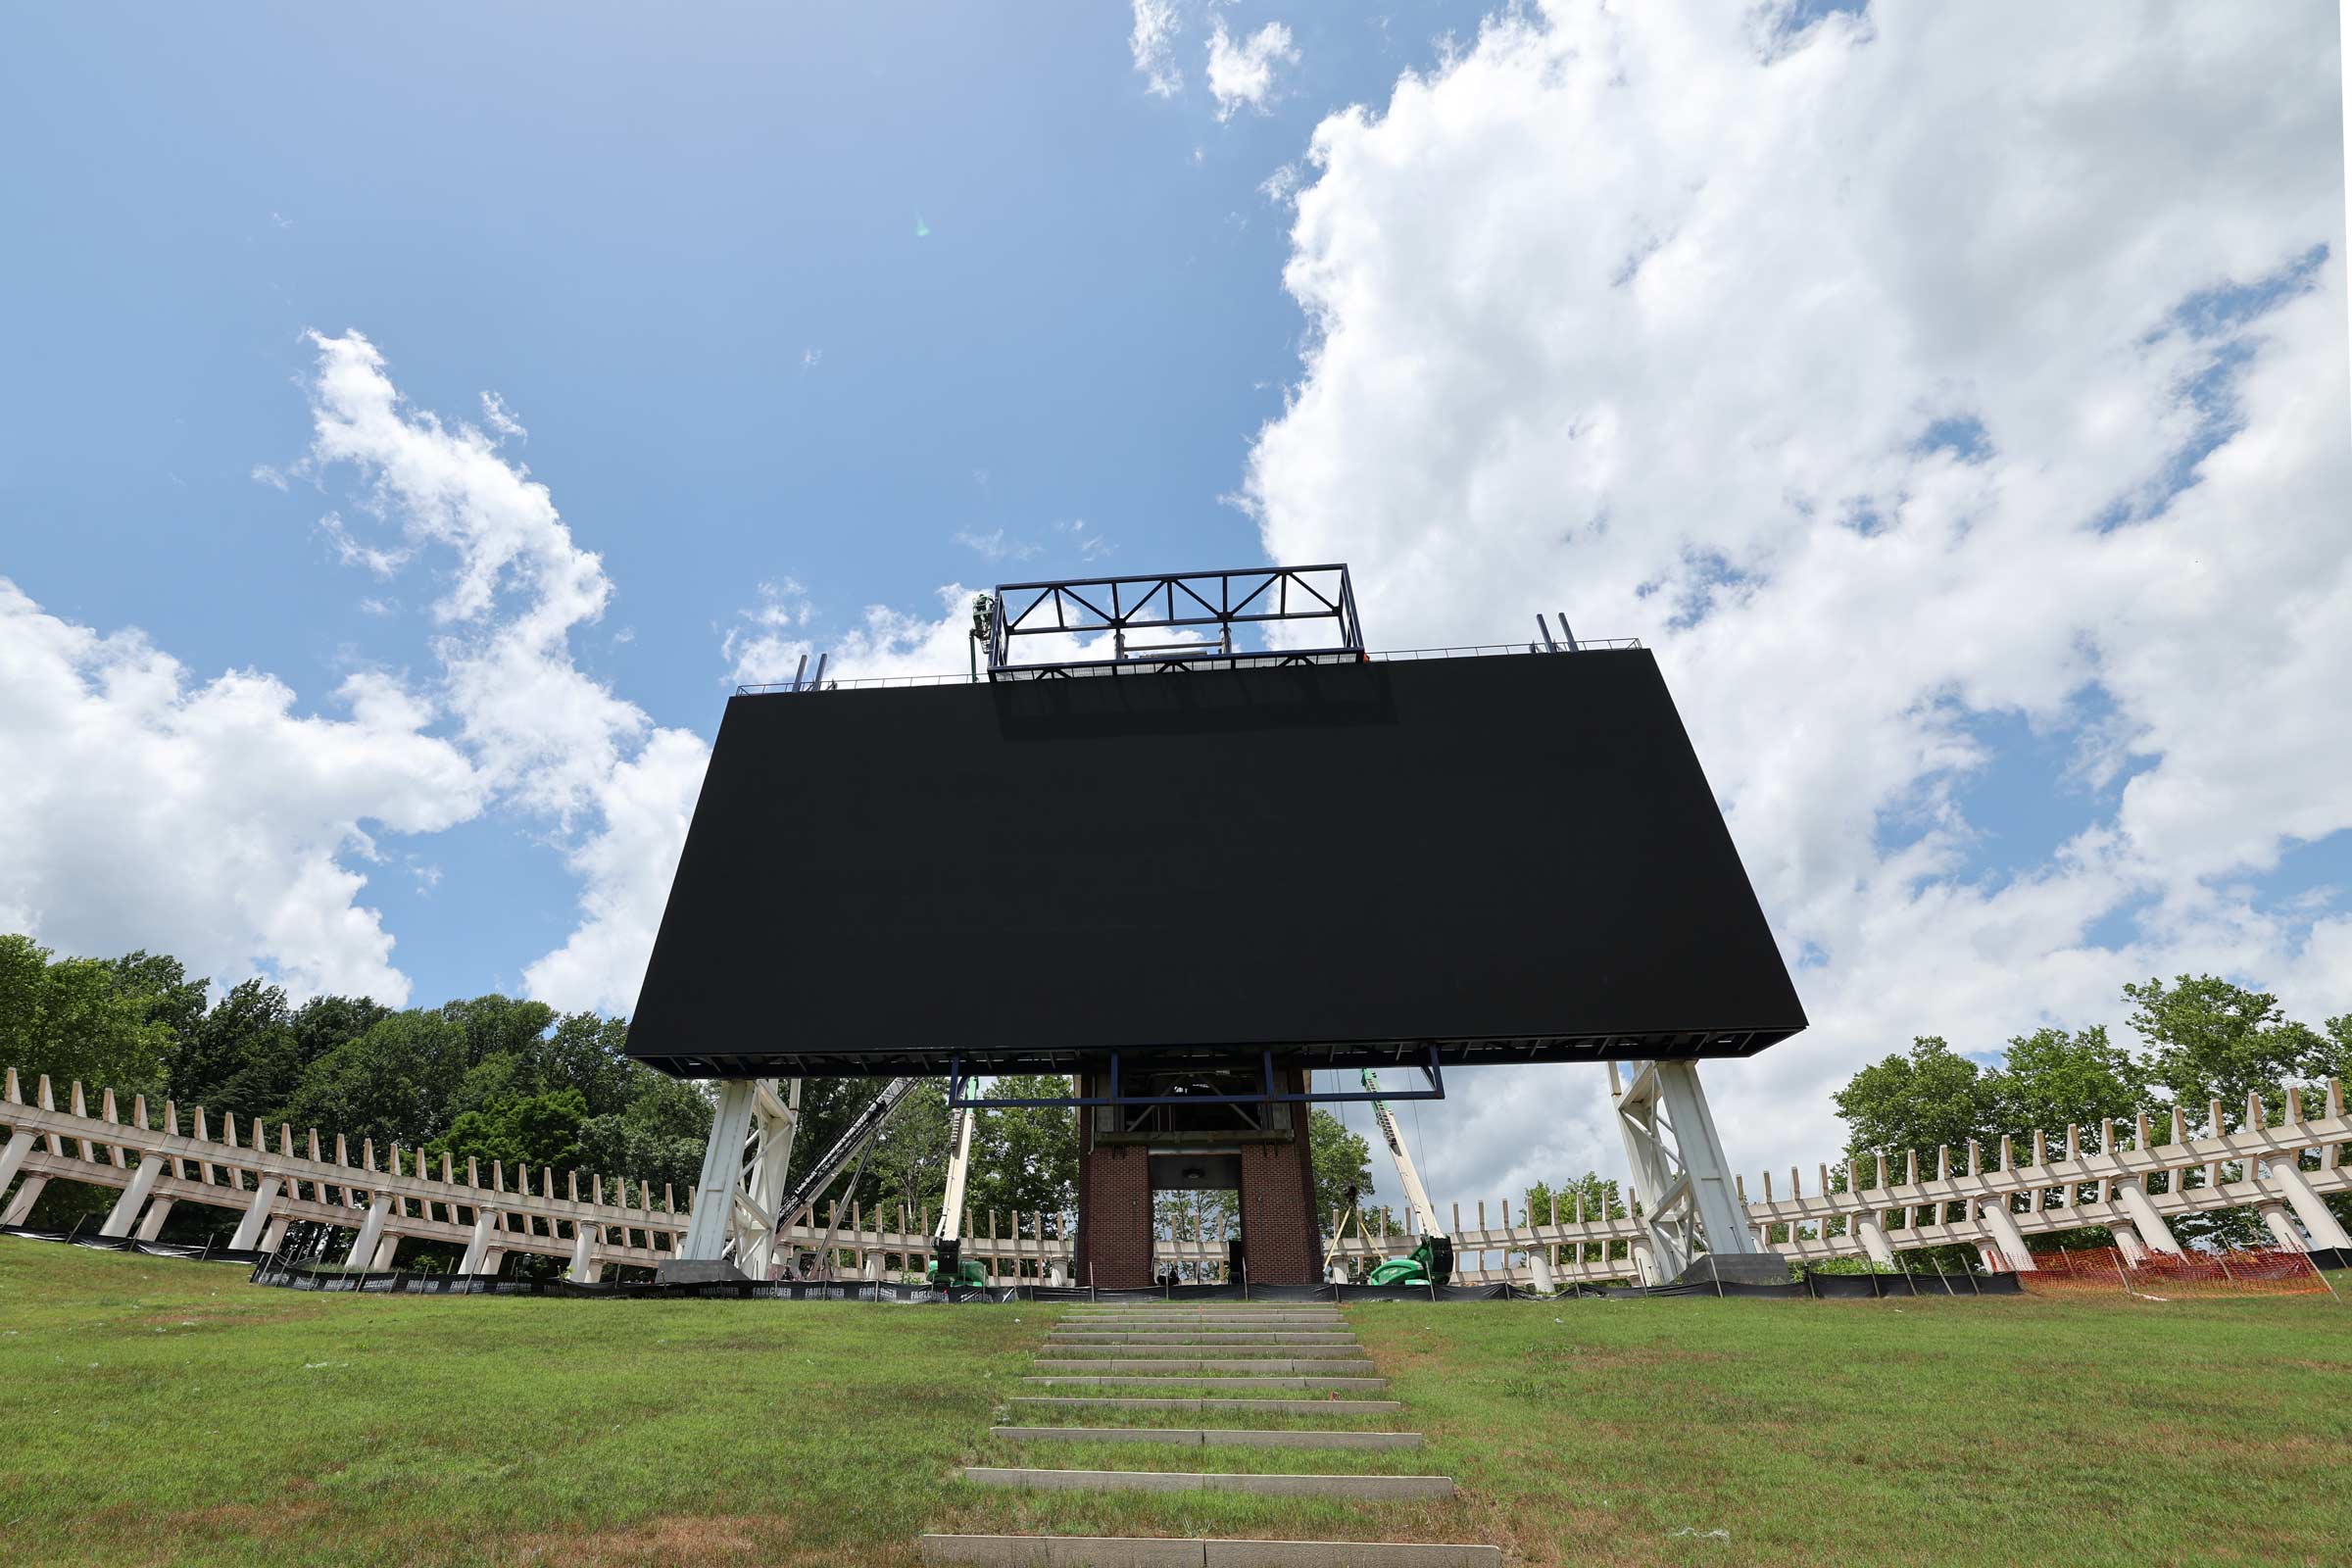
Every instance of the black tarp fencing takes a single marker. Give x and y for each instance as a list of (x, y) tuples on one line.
[(199, 1252), (413, 1282), (1811, 1286)]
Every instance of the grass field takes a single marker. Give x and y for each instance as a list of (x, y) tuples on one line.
[(158, 1411)]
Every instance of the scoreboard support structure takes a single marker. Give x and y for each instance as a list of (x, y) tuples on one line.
[(1685, 1184)]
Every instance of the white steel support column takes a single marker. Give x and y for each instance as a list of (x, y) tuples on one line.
[(2006, 1236), (2282, 1227), (1872, 1237), (274, 1233), (775, 1124), (1680, 1172), (126, 1212), (2153, 1231), (20, 1207), (372, 1233), (584, 1266), (257, 1214), (13, 1156), (722, 1181), (2284, 1175), (477, 1247), (159, 1209)]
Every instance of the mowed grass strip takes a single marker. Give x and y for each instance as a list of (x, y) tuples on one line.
[(158, 1411)]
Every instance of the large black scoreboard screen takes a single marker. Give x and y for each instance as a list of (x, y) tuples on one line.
[(1507, 858)]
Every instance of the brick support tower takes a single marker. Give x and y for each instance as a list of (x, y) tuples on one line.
[(1280, 1230), (1114, 1208)]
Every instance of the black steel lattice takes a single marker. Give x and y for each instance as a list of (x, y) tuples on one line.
[(1177, 602)]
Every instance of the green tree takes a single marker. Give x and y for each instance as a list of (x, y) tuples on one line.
[(495, 1025), (1342, 1161), (173, 1000), (1928, 1098), (1602, 1197), (242, 1058), (541, 1129), (2209, 1040), (590, 1054), (909, 1162), (322, 1023), (2050, 1079), (1026, 1158), (395, 1083), (89, 1019), (657, 1137)]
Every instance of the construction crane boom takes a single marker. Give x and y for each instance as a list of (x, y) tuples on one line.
[(959, 1164), (847, 1148), (1425, 1213), (948, 1266), (1431, 1262)]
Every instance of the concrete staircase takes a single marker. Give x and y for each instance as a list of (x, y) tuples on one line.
[(1168, 1360)]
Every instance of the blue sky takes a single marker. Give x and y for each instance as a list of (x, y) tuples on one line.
[(683, 247), (1955, 398)]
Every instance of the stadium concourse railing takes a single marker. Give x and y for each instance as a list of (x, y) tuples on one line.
[(2133, 1179)]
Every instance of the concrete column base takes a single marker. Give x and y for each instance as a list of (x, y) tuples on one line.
[(2282, 1227), (20, 1207)]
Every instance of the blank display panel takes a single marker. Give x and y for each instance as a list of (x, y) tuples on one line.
[(1512, 858)]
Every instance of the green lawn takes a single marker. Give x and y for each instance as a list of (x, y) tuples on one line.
[(157, 1412)]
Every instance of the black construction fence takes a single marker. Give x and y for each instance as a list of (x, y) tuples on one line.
[(295, 1266), (203, 1252), (1810, 1285)]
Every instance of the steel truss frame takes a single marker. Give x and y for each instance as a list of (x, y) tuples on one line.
[(961, 1097), (1173, 602), (1688, 1193), (735, 1199)]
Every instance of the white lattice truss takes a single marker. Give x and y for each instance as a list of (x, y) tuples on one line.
[(2133, 1179)]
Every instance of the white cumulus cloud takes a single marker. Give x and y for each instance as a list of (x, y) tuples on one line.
[(551, 739), (1153, 44), (1241, 75), (142, 806), (1892, 377)]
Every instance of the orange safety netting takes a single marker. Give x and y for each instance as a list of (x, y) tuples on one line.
[(2173, 1275)]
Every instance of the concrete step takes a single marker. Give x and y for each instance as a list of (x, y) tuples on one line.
[(1211, 1309), (1158, 1311), (1080, 1403), (1335, 1368), (1152, 1551), (1211, 1437), (1199, 1337), (1368, 1488), (1148, 1380), (1129, 1350), (1243, 1325)]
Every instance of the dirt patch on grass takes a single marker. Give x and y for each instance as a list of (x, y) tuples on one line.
[(690, 1541)]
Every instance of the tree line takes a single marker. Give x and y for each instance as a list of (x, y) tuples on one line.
[(490, 1078), (2196, 1040), (496, 1078)]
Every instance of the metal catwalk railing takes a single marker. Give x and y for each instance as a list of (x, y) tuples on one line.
[(2134, 1181)]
